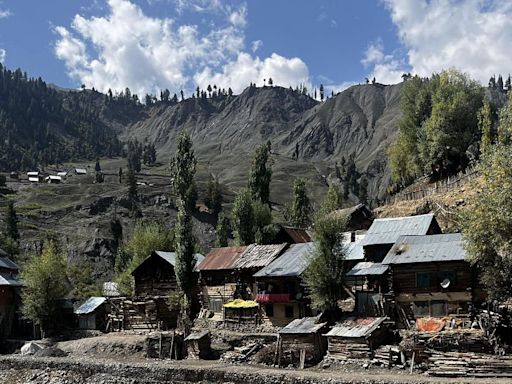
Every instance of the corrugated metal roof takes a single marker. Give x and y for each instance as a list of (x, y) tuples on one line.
[(388, 230), (9, 279), (367, 268), (170, 257), (221, 258), (298, 235), (90, 305), (356, 328), (292, 262), (7, 263), (197, 335), (426, 249), (3, 253), (301, 326), (259, 256)]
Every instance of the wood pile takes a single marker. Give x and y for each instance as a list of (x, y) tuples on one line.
[(453, 364), (387, 355), (341, 350), (471, 340)]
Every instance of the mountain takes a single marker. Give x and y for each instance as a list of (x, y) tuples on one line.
[(359, 122)]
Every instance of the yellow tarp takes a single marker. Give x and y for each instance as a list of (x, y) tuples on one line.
[(239, 303)]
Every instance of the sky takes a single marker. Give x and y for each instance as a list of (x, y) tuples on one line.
[(149, 45)]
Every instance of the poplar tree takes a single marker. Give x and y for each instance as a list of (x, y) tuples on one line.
[(485, 126), (183, 169), (11, 222), (300, 210), (222, 231), (260, 175), (243, 218)]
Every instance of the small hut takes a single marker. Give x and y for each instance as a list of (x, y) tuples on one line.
[(93, 313), (301, 342), (356, 338), (199, 345)]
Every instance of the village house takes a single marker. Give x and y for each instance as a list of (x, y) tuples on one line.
[(359, 217), (80, 171), (227, 274), (281, 291), (10, 285), (430, 276)]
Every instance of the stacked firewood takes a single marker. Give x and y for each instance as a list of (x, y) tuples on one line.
[(469, 364)]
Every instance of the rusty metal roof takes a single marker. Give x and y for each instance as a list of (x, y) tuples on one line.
[(303, 326), (298, 235), (259, 256), (356, 327), (221, 258)]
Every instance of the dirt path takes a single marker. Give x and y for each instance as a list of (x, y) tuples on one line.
[(17, 369)]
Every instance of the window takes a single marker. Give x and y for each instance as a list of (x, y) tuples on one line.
[(269, 310), (215, 305), (420, 308), (438, 308), (288, 311), (422, 280)]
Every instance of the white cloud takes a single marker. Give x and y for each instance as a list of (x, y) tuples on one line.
[(126, 48), (246, 69), (386, 69), (4, 13), (255, 45), (474, 36), (3, 54)]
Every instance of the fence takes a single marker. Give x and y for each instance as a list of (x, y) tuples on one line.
[(442, 186)]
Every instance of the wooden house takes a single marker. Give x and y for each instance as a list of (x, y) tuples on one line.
[(92, 314), (293, 235), (281, 292), (199, 345), (301, 342), (431, 277), (80, 171), (155, 276), (10, 286), (356, 338), (384, 233), (217, 278), (359, 217)]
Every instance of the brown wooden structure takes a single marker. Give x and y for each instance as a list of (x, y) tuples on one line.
[(199, 345), (359, 217), (9, 293)]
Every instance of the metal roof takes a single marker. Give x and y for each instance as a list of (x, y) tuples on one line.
[(301, 326), (221, 258), (426, 249), (7, 263), (298, 235), (368, 268), (197, 335), (350, 210), (292, 262), (388, 230), (356, 328), (90, 305), (7, 278), (259, 256), (170, 257)]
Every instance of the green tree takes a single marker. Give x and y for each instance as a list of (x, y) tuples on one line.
[(44, 282), (485, 126), (132, 186), (83, 281), (222, 231), (11, 222), (213, 199), (146, 238), (260, 175), (97, 166), (243, 219), (505, 123), (324, 274), (183, 169), (333, 199), (264, 231), (299, 211)]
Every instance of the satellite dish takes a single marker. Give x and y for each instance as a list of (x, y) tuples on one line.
[(445, 283)]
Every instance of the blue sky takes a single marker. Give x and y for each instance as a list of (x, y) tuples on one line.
[(148, 45)]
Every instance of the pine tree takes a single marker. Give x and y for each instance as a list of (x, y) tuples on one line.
[(97, 166), (185, 255), (120, 175), (183, 169), (243, 220), (222, 231), (333, 199), (321, 92), (299, 211), (499, 83), (132, 186), (260, 175), (11, 222)]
